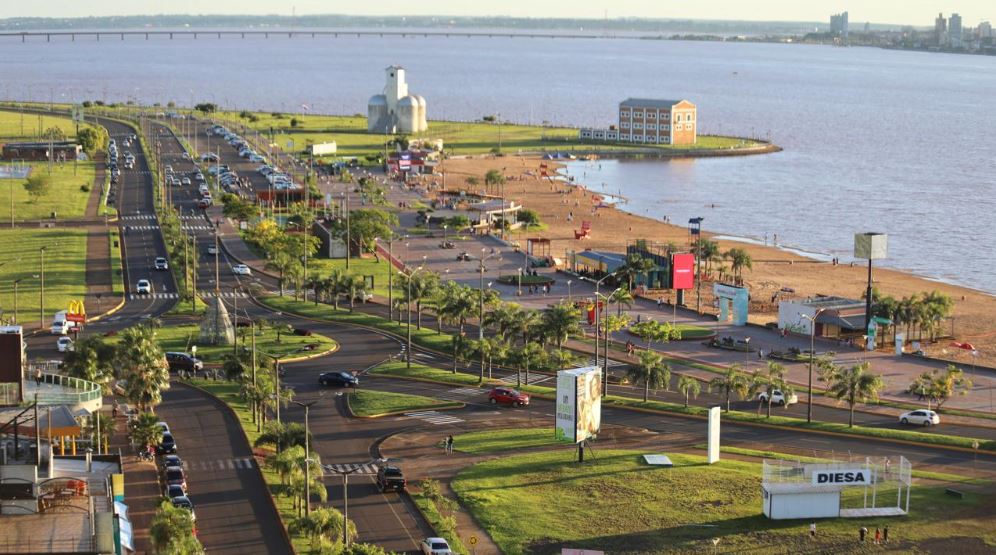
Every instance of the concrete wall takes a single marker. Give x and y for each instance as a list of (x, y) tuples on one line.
[(801, 505)]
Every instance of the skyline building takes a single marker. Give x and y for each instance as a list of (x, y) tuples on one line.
[(954, 31), (839, 24)]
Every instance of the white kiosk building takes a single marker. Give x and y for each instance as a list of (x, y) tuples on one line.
[(396, 111)]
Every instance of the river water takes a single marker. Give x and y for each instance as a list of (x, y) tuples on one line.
[(875, 140)]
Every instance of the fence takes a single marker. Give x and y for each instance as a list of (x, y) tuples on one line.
[(71, 391)]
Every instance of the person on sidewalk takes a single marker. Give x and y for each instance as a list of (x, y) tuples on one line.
[(878, 536), (885, 534), (862, 532), (114, 409), (38, 376), (449, 445)]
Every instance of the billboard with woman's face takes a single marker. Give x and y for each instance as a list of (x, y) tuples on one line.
[(579, 404)]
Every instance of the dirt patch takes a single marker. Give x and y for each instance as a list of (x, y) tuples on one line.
[(962, 545)]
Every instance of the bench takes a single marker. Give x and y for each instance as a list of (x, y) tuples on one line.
[(954, 493)]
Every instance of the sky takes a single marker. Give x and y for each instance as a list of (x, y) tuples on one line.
[(913, 12)]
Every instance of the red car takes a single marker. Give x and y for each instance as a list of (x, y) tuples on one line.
[(507, 396)]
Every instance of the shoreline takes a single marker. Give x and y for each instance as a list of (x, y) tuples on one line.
[(562, 205)]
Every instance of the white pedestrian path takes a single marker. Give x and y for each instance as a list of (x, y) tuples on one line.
[(434, 417)]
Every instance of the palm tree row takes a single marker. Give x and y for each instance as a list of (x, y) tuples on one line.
[(921, 311)]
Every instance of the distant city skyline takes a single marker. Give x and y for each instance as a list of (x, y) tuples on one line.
[(912, 12)]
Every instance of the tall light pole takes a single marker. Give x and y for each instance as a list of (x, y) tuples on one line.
[(344, 471), (16, 281), (307, 457), (519, 293), (390, 277), (812, 355), (569, 299), (411, 278), (480, 314), (41, 294), (345, 196), (605, 349), (605, 373)]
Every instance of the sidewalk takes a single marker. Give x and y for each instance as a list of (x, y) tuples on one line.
[(142, 493)]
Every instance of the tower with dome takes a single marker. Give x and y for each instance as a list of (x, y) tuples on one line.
[(396, 111)]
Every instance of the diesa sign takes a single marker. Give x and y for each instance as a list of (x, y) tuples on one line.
[(842, 477)]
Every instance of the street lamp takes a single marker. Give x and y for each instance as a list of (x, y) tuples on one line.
[(480, 321), (411, 278), (605, 372), (746, 351), (41, 302), (519, 293), (390, 277), (307, 457), (345, 470), (569, 300), (812, 354)]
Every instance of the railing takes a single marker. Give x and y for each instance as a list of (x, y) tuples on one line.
[(10, 394), (86, 390)]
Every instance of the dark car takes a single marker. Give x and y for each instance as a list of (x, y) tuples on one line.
[(463, 256), (174, 476), (391, 477), (167, 446), (171, 460), (183, 361), (338, 379), (184, 502), (508, 396), (173, 490)]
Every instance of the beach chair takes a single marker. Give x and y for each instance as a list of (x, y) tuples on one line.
[(584, 232)]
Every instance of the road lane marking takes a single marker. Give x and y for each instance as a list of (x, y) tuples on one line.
[(433, 417)]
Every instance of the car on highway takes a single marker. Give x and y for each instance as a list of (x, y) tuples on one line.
[(185, 181), (391, 478), (204, 202), (256, 158), (435, 546), (169, 169), (209, 157), (212, 250), (241, 270), (185, 155), (65, 344), (920, 417), (167, 446), (161, 263), (171, 460), (184, 502), (199, 177), (507, 396), (779, 398), (143, 286), (175, 475), (173, 490), (338, 379), (183, 361)]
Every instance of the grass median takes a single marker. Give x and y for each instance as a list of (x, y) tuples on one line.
[(117, 275), (20, 261), (370, 404), (485, 442), (542, 502)]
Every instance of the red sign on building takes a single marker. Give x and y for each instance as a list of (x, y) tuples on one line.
[(683, 271)]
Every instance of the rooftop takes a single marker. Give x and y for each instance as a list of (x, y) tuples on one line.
[(832, 302), (648, 103)]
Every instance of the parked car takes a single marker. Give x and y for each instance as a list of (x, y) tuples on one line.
[(435, 546), (507, 396), (171, 460), (204, 202), (338, 379), (391, 478), (778, 398), (185, 181), (183, 361), (174, 475), (173, 490), (167, 446), (241, 270), (161, 263), (184, 502), (65, 344), (163, 426), (143, 286), (463, 256), (921, 417)]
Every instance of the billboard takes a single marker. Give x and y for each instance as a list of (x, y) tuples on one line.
[(579, 404), (682, 271)]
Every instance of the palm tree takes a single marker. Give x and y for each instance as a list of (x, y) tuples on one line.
[(144, 429), (458, 305), (502, 318), (283, 262), (526, 357), (634, 266), (739, 259), (424, 286), (854, 385), (652, 371), (708, 252), (621, 296), (562, 321), (651, 330), (354, 286), (282, 435), (528, 325), (733, 381), (142, 365), (172, 531), (688, 385), (493, 178), (769, 379), (324, 524), (91, 360), (498, 351)]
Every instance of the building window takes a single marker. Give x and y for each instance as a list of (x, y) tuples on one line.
[(637, 125), (652, 126), (624, 125), (651, 115), (690, 127), (690, 117), (667, 116), (665, 127), (624, 114), (637, 113)]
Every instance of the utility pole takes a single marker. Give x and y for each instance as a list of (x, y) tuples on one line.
[(217, 275), (390, 279), (307, 457), (41, 301), (255, 405), (348, 238), (16, 281)]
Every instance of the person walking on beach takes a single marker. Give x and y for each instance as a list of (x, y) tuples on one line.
[(812, 531)]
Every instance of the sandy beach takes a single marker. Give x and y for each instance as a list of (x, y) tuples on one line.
[(773, 269)]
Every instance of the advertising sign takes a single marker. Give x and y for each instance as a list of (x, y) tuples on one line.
[(76, 312), (683, 271), (579, 404), (871, 246), (714, 415), (842, 477)]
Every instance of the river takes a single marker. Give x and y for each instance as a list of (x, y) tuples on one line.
[(875, 140)]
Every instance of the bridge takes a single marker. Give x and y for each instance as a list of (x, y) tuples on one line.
[(290, 33)]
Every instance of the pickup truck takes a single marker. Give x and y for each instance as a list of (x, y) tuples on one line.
[(391, 477)]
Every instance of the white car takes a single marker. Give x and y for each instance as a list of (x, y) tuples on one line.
[(241, 270), (921, 417), (212, 250), (435, 546), (65, 344), (143, 286), (778, 398)]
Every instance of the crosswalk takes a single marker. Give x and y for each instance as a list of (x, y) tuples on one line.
[(157, 296), (223, 294), (533, 378), (198, 227), (368, 469), (141, 228), (612, 363), (137, 217), (434, 417), (461, 394), (242, 463)]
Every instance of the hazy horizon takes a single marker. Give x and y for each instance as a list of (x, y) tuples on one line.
[(911, 12)]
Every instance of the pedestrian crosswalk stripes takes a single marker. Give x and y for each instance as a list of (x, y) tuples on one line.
[(224, 294), (157, 296), (198, 228), (433, 417), (533, 378), (133, 217), (460, 394), (141, 227), (368, 469), (242, 463)]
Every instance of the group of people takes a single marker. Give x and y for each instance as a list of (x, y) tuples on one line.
[(881, 534)]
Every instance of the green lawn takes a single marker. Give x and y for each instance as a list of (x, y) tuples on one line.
[(64, 196), (181, 338), (322, 267), (65, 270), (117, 276), (376, 403), (423, 372), (504, 440), (540, 502), (15, 127)]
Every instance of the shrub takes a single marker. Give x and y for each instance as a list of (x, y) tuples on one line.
[(85, 188)]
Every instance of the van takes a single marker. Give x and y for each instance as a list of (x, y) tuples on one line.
[(60, 325)]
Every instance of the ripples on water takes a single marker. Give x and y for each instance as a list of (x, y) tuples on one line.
[(899, 142)]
